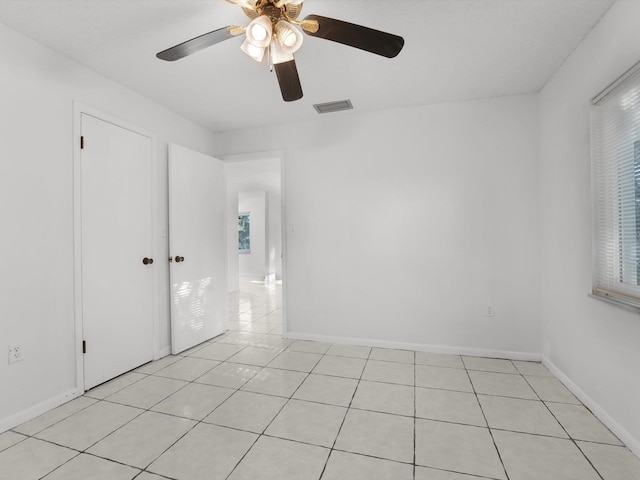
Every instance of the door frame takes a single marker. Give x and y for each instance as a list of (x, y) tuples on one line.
[(78, 110), (247, 157)]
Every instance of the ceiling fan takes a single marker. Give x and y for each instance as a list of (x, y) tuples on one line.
[(276, 32)]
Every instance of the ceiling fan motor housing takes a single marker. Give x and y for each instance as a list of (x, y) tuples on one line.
[(270, 9)]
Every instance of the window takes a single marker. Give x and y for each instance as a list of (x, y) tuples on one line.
[(244, 233), (616, 190)]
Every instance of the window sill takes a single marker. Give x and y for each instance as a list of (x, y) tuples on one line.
[(618, 302)]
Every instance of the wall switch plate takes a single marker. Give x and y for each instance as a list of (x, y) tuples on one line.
[(490, 311), (15, 353)]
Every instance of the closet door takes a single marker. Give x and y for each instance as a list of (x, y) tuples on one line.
[(117, 258), (198, 246)]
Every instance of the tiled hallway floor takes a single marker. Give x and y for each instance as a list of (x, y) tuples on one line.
[(252, 405)]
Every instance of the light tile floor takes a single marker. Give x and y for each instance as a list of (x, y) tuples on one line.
[(252, 405)]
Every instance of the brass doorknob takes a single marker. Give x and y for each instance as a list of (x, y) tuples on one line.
[(179, 259), (147, 261)]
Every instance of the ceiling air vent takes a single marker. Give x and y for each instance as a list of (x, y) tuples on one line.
[(331, 107)]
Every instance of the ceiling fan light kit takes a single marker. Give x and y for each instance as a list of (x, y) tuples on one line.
[(275, 27), (278, 54), (259, 31), (257, 53), (289, 36)]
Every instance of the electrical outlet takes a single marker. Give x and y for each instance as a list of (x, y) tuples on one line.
[(15, 353), (490, 311)]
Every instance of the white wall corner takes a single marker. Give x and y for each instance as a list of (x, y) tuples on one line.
[(618, 430)]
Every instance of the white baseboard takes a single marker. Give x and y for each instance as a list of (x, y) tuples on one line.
[(32, 412), (618, 430), (475, 352)]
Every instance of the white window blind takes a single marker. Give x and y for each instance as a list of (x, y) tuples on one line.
[(615, 144)]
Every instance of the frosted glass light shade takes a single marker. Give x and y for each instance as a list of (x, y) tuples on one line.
[(289, 36), (259, 31), (278, 55), (257, 53)]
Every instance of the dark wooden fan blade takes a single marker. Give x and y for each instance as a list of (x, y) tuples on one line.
[(289, 81), (357, 36), (196, 44)]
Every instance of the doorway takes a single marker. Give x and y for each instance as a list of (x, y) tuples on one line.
[(256, 243)]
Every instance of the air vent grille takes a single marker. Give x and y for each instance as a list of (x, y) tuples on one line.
[(331, 107)]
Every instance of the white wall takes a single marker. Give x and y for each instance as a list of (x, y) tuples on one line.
[(594, 344), (403, 225), (255, 262), (36, 207)]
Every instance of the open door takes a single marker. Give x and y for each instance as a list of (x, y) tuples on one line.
[(198, 248)]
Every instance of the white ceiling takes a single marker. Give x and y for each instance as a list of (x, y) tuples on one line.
[(454, 50)]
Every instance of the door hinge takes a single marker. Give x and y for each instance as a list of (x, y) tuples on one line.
[(82, 142), (84, 346)]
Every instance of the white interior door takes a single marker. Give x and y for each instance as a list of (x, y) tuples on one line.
[(117, 293), (197, 232)]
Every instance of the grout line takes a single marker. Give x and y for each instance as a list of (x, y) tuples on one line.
[(243, 456), (55, 423), (323, 355), (564, 429), (151, 411), (62, 465), (201, 421), (355, 390), (488, 426), (368, 455), (150, 473), (87, 394), (25, 437), (265, 428)]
